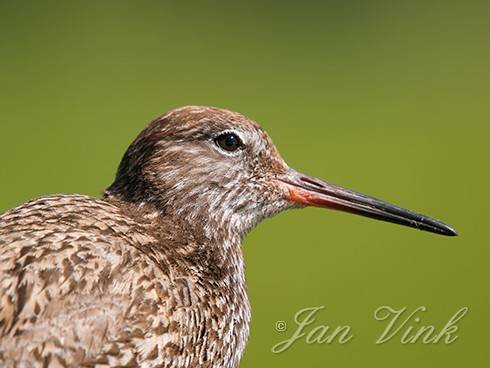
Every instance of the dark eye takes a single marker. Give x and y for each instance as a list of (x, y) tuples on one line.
[(229, 142)]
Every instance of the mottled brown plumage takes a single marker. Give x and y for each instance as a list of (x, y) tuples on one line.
[(152, 275)]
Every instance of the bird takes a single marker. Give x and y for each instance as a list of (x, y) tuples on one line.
[(151, 274)]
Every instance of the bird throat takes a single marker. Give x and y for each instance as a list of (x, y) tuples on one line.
[(210, 248)]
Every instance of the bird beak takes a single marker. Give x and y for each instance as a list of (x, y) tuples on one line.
[(308, 191)]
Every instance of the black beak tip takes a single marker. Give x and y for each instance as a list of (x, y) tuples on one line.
[(449, 231), (442, 229)]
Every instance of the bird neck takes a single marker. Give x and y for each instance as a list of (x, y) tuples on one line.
[(211, 248)]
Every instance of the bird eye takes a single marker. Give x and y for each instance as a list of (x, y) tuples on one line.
[(229, 142)]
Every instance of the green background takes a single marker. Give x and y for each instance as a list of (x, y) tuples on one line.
[(385, 97)]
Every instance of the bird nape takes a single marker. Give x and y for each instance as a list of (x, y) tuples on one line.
[(152, 274)]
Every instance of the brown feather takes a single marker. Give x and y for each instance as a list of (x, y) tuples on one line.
[(152, 274)]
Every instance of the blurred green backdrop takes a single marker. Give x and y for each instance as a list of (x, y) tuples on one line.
[(388, 98)]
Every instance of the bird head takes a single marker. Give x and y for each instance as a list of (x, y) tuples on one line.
[(216, 169)]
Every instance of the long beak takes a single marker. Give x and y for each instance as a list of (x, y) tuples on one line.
[(310, 191)]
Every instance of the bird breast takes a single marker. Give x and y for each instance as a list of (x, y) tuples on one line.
[(83, 283)]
